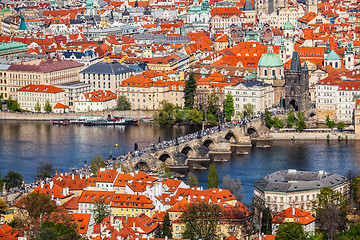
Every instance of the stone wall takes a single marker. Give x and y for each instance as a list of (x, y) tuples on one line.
[(47, 117)]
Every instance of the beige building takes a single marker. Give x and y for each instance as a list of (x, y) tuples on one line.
[(291, 188), (95, 101), (259, 94), (145, 94), (29, 95), (43, 72), (3, 81), (106, 76)]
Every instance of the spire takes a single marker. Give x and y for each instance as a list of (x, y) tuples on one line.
[(305, 68), (295, 63), (349, 49), (327, 50), (282, 47), (22, 23)]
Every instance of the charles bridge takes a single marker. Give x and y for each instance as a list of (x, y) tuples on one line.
[(197, 153)]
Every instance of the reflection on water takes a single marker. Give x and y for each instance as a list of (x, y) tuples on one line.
[(339, 157), (24, 145)]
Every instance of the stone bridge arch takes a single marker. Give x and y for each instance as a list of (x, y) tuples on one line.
[(230, 136), (209, 143), (142, 166), (166, 158), (188, 151), (252, 131)]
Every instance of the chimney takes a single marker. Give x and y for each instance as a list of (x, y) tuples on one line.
[(293, 211), (189, 199), (64, 191), (42, 184), (72, 176), (133, 224), (111, 219), (166, 238), (51, 185)]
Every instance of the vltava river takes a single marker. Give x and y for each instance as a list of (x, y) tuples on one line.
[(25, 144)]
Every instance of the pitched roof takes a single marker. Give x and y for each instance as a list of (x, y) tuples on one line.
[(99, 96), (52, 190), (132, 201), (40, 89), (60, 106), (293, 215), (82, 221), (107, 68), (46, 65), (89, 196)]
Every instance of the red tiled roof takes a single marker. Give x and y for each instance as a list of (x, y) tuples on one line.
[(295, 214), (99, 96), (40, 88), (82, 221), (47, 65)]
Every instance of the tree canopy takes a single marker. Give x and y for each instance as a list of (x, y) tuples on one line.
[(38, 204), (229, 106), (329, 123), (101, 210), (13, 179), (123, 103), (45, 170), (47, 107), (201, 220), (213, 179), (290, 231), (189, 92), (192, 180), (234, 186), (96, 163)]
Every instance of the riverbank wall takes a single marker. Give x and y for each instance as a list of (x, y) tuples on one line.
[(311, 135), (130, 114)]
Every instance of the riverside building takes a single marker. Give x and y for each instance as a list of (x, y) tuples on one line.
[(292, 188)]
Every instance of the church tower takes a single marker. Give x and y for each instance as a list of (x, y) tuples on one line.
[(283, 51), (312, 6), (297, 85), (349, 57)]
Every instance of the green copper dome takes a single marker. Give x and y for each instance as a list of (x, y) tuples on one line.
[(270, 59), (288, 26)]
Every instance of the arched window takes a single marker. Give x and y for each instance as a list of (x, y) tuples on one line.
[(273, 72), (336, 65), (265, 72)]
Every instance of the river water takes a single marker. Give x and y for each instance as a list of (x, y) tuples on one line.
[(25, 144)]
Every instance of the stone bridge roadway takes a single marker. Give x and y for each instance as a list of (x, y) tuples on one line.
[(198, 152)]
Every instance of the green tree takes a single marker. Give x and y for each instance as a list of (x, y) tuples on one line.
[(234, 186), (213, 178), (189, 92), (166, 170), (38, 205), (290, 231), (195, 116), (57, 231), (278, 123), (166, 114), (352, 234), (158, 232), (47, 107), (355, 187), (13, 104), (248, 110), (3, 207), (331, 210), (192, 180), (300, 122), (166, 228), (123, 103), (13, 179), (101, 210), (37, 107), (1, 183), (269, 122), (212, 108), (266, 221), (329, 123), (290, 119), (201, 220), (96, 163), (341, 126), (45, 170), (229, 107)]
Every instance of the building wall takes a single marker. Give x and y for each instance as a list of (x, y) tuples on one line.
[(28, 100), (104, 81)]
